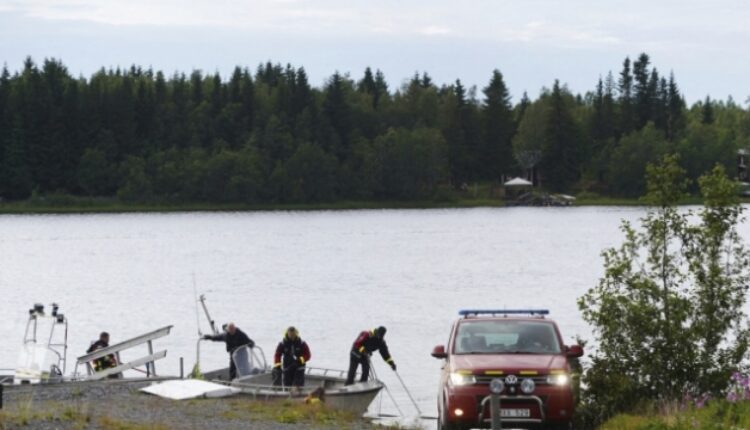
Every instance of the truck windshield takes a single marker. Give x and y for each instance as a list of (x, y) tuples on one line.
[(506, 337)]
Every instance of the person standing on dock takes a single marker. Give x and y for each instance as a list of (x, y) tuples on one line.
[(366, 343), (234, 338), (292, 353)]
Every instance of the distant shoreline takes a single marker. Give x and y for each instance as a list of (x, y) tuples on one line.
[(93, 206)]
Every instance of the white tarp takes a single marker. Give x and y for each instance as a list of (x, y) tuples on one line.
[(182, 389)]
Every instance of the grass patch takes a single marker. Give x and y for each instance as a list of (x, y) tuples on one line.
[(27, 413), (288, 412), (716, 415), (113, 206), (109, 423), (479, 195)]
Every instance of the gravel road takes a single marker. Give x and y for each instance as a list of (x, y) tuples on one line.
[(117, 405)]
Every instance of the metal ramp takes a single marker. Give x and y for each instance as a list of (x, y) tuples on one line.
[(116, 349)]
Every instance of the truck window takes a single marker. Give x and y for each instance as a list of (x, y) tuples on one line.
[(499, 336)]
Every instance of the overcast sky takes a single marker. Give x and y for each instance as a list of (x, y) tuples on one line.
[(706, 43)]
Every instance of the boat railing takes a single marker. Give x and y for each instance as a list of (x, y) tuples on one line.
[(43, 358), (249, 360), (6, 376), (265, 389), (326, 373)]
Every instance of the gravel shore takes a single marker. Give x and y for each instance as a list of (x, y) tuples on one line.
[(118, 405)]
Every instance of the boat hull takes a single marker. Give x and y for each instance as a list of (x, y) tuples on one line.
[(355, 398)]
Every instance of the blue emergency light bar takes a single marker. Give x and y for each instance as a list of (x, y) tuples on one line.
[(467, 312)]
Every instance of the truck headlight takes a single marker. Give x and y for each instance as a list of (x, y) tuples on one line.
[(462, 379), (527, 386), (497, 386), (560, 380)]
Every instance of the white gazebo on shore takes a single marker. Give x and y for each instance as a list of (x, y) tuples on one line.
[(518, 182), (515, 187)]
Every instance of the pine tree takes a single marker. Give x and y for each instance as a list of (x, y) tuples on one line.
[(626, 102), (216, 98), (4, 117), (426, 80), (520, 109), (453, 132), (302, 97), (707, 111), (598, 126), (560, 162), (498, 128), (609, 109), (144, 110), (338, 115), (196, 87), (675, 109), (381, 88), (367, 84), (247, 99), (235, 86), (644, 89), (661, 105)]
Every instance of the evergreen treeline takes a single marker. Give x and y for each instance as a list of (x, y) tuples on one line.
[(269, 136)]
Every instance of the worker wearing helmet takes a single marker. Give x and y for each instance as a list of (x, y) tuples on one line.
[(366, 343), (292, 353)]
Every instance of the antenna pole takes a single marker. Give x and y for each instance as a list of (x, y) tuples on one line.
[(197, 313)]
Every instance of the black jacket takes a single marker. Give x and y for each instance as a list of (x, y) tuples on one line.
[(368, 341), (105, 362), (99, 344), (292, 352), (233, 341)]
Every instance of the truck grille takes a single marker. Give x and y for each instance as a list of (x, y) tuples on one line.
[(485, 379)]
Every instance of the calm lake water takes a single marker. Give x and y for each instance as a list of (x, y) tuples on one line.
[(329, 273)]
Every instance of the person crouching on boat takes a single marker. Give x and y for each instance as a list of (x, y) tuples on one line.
[(234, 338), (106, 362), (366, 343), (289, 361)]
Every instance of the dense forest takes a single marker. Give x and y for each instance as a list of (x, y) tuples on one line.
[(268, 136)]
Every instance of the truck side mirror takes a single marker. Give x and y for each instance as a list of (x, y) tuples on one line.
[(574, 351), (439, 352)]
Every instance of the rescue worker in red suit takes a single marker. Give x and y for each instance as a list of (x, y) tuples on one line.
[(289, 361), (366, 343)]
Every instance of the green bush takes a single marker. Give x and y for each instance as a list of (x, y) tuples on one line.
[(669, 311)]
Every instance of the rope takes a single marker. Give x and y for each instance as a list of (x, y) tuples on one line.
[(419, 411), (387, 390)]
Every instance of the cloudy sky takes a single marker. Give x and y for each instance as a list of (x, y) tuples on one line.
[(706, 43)]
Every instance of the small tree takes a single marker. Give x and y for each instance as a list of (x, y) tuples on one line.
[(668, 312), (718, 263)]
